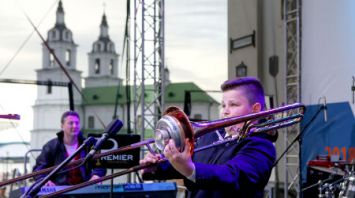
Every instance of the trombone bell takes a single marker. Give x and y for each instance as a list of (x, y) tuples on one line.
[(168, 128), (173, 125)]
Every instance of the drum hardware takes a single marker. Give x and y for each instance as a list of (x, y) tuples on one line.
[(347, 187), (327, 190)]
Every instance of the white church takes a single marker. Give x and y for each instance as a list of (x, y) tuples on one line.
[(101, 86)]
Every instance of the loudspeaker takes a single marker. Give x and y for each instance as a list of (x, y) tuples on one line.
[(126, 159), (274, 65)]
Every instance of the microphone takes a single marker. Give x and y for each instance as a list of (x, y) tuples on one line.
[(109, 131), (325, 109)]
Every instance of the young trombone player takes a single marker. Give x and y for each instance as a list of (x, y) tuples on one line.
[(237, 169)]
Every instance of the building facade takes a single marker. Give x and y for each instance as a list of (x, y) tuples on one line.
[(258, 36)]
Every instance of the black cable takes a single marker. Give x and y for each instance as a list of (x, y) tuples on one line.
[(139, 177), (27, 39)]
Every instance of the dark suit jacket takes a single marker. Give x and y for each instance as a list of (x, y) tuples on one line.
[(236, 169)]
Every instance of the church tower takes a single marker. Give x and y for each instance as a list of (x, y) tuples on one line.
[(52, 101), (103, 60)]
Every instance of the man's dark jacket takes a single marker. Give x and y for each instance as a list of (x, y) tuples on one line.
[(54, 152)]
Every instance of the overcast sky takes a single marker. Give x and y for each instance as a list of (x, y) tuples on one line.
[(195, 37)]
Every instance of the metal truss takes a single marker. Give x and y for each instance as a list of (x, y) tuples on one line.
[(149, 65), (292, 35)]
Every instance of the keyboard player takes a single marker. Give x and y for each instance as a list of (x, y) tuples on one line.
[(58, 149)]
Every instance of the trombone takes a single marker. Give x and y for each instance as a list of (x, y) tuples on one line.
[(176, 125)]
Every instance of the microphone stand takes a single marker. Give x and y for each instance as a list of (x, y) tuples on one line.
[(298, 138), (36, 187)]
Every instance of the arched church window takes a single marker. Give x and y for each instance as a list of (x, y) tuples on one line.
[(66, 37), (91, 122), (97, 47), (102, 47), (68, 57), (97, 66), (51, 60), (112, 66), (53, 34), (49, 87)]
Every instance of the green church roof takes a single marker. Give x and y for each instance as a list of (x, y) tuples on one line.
[(174, 93), (103, 95)]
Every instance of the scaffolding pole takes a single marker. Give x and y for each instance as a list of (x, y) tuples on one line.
[(149, 64), (293, 89)]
